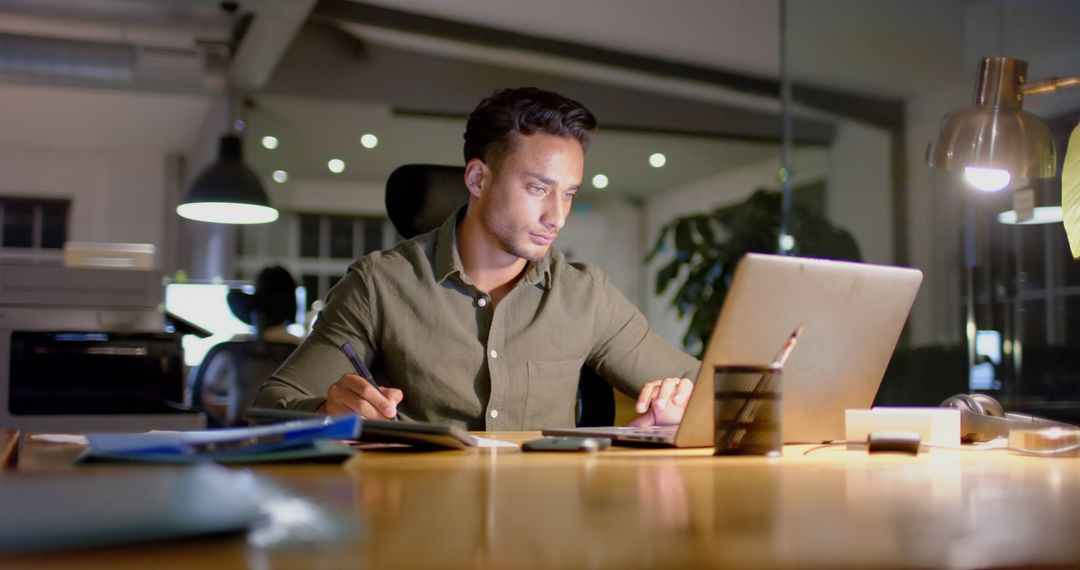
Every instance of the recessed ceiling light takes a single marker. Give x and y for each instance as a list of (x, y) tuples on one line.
[(368, 140), (269, 142), (280, 176), (657, 159), (600, 181), (336, 165)]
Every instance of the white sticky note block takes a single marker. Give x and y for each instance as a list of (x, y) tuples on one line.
[(937, 426)]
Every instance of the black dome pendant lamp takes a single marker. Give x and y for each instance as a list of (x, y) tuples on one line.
[(227, 191)]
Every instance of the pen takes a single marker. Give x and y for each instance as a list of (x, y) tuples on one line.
[(777, 364), (789, 346), (359, 366)]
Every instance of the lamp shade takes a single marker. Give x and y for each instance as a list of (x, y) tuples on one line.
[(228, 192), (995, 133)]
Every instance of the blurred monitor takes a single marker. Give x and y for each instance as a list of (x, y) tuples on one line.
[(983, 374), (205, 305)]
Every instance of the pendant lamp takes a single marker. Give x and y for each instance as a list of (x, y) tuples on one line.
[(227, 191), (994, 140)]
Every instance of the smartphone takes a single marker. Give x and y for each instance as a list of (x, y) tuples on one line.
[(559, 443)]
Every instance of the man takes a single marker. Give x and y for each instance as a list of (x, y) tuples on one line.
[(270, 308), (480, 324)]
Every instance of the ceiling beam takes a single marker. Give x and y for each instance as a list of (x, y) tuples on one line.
[(265, 41), (427, 83), (878, 111)]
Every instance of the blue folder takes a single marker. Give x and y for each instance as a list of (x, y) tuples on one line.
[(304, 439)]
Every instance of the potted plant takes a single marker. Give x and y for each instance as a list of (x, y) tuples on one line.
[(707, 246)]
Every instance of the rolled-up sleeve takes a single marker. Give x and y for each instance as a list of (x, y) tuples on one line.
[(301, 382), (627, 352)]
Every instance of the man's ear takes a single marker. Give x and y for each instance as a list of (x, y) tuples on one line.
[(477, 175)]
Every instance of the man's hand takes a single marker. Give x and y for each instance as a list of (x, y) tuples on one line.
[(352, 394), (663, 402)]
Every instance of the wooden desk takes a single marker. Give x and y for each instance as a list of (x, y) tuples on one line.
[(9, 448), (658, 508)]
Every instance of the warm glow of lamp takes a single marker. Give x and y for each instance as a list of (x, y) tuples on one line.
[(987, 179), (227, 213)]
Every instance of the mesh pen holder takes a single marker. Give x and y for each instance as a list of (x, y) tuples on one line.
[(747, 410)]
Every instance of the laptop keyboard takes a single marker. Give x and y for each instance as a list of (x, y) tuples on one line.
[(651, 431)]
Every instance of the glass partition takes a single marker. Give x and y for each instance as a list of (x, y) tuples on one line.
[(997, 311)]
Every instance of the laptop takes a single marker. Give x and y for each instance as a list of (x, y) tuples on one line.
[(853, 314)]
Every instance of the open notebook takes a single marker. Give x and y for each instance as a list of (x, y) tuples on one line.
[(853, 314)]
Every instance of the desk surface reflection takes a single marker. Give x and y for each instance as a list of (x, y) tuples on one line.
[(500, 508)]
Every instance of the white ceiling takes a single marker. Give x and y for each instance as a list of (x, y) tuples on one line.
[(887, 48), (922, 40), (728, 34)]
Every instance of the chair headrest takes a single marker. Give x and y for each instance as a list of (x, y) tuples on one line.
[(419, 197)]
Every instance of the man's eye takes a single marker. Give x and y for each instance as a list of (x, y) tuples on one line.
[(537, 189), (570, 195)]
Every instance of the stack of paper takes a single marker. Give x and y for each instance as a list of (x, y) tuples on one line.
[(289, 441)]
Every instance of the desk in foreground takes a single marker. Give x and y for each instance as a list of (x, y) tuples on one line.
[(9, 448), (658, 508)]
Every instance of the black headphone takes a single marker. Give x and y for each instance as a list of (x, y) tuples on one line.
[(982, 418)]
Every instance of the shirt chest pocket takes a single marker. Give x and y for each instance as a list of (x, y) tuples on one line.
[(552, 397)]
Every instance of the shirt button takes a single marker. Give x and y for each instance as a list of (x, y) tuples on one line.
[(494, 414), (493, 353), (482, 302)]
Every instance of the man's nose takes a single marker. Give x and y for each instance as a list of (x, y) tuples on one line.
[(555, 212)]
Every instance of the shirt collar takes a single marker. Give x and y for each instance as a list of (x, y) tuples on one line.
[(539, 272), (448, 258)]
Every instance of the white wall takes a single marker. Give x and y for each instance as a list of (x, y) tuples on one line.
[(859, 188), (113, 152), (314, 195), (606, 231), (933, 220), (117, 195)]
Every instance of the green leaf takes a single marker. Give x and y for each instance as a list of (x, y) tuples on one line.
[(705, 229), (666, 274), (684, 245)]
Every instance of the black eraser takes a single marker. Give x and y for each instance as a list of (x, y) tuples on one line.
[(893, 442)]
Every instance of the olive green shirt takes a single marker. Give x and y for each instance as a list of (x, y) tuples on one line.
[(423, 327)]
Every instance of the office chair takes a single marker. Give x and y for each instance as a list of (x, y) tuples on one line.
[(226, 381), (419, 198)]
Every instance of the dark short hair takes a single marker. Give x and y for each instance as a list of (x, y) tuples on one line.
[(272, 303), (507, 113)]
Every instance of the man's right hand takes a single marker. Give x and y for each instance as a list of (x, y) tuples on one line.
[(352, 394)]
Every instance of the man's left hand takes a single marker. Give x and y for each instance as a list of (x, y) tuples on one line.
[(662, 402)]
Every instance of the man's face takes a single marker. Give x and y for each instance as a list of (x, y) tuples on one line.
[(527, 195)]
